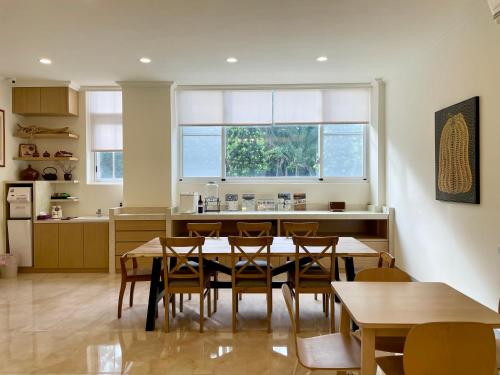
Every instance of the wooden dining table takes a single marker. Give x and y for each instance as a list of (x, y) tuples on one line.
[(391, 309), (347, 248)]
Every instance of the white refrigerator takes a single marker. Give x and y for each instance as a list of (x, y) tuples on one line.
[(19, 225)]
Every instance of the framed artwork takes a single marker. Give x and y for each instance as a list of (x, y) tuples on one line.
[(2, 138), (27, 150), (457, 152)]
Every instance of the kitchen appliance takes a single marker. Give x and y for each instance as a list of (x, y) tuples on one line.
[(189, 203), (19, 199), (57, 212)]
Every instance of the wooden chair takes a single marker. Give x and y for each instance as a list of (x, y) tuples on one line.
[(313, 277), (205, 230), (305, 229), (130, 276), (184, 275), (386, 260), (386, 344), (254, 229), (445, 348), (328, 352), (250, 275)]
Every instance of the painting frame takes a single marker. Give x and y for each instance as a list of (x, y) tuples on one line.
[(457, 156), (2, 138), (27, 150)]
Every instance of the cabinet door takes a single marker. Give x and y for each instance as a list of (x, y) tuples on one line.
[(46, 245), (26, 100), (71, 245), (95, 245), (54, 100)]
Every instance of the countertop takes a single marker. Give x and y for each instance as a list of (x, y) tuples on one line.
[(238, 215), (79, 219)]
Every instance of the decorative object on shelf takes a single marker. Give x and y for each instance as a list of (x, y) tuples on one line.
[(266, 204), (27, 150), (30, 130), (62, 196), (457, 152), (337, 206), (43, 216), (36, 154), (284, 201), (67, 169), (299, 201), (49, 176), (57, 212), (212, 202), (29, 174), (248, 202), (63, 154), (46, 154), (495, 9), (2, 138), (231, 202)]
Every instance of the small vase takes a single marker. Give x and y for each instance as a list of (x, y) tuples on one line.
[(68, 176)]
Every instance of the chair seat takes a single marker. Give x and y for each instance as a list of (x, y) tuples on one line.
[(139, 272), (391, 365), (252, 282), (260, 262), (312, 283), (333, 351), (386, 344), (191, 282)]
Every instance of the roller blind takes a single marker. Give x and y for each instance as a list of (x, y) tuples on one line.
[(267, 107), (105, 118)]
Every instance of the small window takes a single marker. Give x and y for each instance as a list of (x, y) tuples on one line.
[(105, 135), (343, 150), (201, 151)]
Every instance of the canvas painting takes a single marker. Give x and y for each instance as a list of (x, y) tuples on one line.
[(457, 152), (2, 138)]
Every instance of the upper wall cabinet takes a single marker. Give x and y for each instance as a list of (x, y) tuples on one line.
[(45, 101)]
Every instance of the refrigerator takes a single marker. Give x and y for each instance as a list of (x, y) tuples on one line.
[(19, 225)]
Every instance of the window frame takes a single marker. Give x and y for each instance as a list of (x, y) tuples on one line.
[(91, 159), (281, 179)]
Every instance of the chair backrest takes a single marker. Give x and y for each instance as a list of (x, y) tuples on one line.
[(450, 348), (303, 248), (386, 260), (287, 295), (204, 229), (254, 229), (257, 247), (180, 249), (382, 274), (301, 229)]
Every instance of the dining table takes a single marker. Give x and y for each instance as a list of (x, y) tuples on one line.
[(391, 309), (213, 248)]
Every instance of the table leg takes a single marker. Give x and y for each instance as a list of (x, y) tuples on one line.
[(154, 289), (345, 319), (368, 364), (349, 268)]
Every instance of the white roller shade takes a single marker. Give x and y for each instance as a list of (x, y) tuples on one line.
[(203, 107), (346, 106), (297, 106), (248, 107), (105, 117)]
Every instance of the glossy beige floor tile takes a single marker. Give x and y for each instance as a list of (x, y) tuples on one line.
[(66, 324)]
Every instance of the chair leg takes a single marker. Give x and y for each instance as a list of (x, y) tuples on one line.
[(166, 324), (237, 304), (324, 309), (202, 310), (189, 296), (120, 297), (216, 293), (181, 302), (234, 309), (132, 287), (297, 314), (172, 300), (332, 313), (209, 311), (315, 296), (327, 305), (269, 310)]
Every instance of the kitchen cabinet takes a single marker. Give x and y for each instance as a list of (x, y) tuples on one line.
[(45, 101), (46, 245), (71, 246)]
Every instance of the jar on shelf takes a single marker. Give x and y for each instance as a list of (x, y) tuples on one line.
[(212, 202)]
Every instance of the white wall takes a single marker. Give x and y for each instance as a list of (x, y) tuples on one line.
[(441, 241)]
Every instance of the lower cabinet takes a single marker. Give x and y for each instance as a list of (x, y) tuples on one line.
[(71, 245)]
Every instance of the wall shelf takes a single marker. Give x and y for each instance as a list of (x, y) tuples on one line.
[(67, 200), (70, 158), (48, 136), (64, 182)]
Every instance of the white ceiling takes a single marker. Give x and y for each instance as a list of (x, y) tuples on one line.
[(276, 41)]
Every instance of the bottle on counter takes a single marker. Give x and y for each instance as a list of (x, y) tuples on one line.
[(200, 205)]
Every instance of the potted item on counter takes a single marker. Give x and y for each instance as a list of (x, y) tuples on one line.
[(284, 201), (29, 174), (248, 202), (231, 202), (299, 201)]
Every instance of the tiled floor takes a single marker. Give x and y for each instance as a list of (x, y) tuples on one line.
[(66, 324)]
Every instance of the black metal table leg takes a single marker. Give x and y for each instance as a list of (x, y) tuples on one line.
[(155, 292), (349, 268)]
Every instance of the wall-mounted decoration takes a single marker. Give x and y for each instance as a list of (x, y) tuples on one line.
[(27, 150), (2, 138), (457, 152)]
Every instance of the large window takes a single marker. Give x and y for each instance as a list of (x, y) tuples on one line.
[(280, 134), (106, 141)]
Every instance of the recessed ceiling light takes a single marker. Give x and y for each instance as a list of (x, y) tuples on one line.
[(145, 60), (45, 61), (322, 59), (232, 60)]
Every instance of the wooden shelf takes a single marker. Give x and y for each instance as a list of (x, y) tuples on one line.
[(48, 136), (71, 158), (72, 200), (64, 182)]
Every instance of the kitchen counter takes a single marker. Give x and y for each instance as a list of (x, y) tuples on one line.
[(79, 219), (261, 215)]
